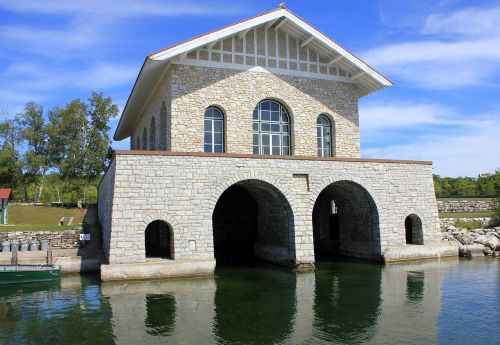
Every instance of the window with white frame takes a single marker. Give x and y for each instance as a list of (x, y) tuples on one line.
[(324, 136), (271, 129), (214, 130)]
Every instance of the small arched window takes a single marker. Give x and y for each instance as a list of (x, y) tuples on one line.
[(138, 143), (152, 134), (271, 129), (324, 136), (145, 139), (214, 130)]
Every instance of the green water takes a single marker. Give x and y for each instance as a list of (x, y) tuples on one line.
[(447, 302)]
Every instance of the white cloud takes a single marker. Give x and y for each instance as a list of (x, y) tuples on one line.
[(458, 145), (470, 22), (121, 8), (80, 25), (470, 57), (402, 115)]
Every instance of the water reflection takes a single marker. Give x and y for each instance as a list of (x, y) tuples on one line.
[(347, 301), (160, 314), (341, 302), (415, 285), (46, 314), (254, 305)]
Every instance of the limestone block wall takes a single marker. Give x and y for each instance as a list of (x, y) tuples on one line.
[(105, 204), (237, 93), (158, 108), (464, 206), (183, 189), (68, 239)]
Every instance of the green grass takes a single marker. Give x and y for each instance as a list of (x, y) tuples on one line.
[(465, 214), (466, 199), (40, 218)]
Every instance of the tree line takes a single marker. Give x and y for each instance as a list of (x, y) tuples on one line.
[(58, 155), (485, 185)]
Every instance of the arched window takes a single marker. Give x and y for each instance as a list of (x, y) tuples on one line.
[(138, 143), (271, 129), (152, 134), (324, 136), (145, 139), (214, 130), (163, 127)]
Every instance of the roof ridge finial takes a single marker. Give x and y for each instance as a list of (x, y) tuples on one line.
[(283, 5)]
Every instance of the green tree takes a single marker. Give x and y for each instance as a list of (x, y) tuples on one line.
[(79, 142), (33, 134), (10, 167)]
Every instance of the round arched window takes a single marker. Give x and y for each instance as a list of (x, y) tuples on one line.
[(214, 130), (271, 129), (324, 136)]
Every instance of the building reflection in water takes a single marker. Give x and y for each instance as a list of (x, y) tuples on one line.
[(341, 302), (160, 314), (255, 305), (347, 301), (179, 311)]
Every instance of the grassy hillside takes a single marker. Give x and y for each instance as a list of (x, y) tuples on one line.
[(41, 218)]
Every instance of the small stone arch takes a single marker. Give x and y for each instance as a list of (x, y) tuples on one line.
[(172, 224), (158, 240), (413, 230)]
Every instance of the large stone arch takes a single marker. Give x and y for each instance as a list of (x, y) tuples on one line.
[(266, 230), (345, 222)]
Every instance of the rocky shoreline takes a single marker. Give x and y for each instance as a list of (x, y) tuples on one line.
[(475, 242)]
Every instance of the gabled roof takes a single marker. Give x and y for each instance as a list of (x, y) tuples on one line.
[(156, 64), (4, 193)]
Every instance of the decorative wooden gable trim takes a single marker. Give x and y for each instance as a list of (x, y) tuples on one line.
[(267, 49)]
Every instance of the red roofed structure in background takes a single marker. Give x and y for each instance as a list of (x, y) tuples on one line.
[(4, 204), (4, 193)]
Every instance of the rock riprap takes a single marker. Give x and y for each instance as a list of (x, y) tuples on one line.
[(475, 242)]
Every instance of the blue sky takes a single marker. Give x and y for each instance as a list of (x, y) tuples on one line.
[(443, 56)]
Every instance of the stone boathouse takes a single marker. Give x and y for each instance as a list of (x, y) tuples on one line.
[(244, 145)]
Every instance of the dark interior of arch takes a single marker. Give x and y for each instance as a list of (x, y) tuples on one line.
[(157, 240), (252, 221), (413, 230), (345, 223)]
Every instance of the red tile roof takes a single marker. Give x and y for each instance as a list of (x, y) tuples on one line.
[(4, 193)]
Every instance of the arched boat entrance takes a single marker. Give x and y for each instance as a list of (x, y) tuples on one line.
[(158, 240), (345, 223), (252, 220)]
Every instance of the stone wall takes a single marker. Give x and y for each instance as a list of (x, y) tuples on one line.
[(182, 190), (187, 91), (105, 204), (464, 206), (58, 239)]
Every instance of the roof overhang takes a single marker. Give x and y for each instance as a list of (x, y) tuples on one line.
[(156, 64)]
